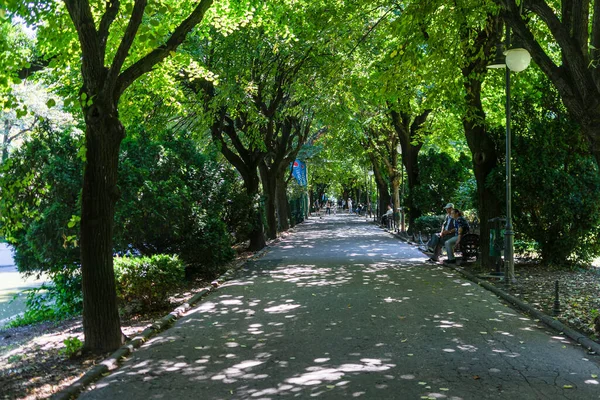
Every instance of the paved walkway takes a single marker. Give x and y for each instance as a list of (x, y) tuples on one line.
[(342, 310)]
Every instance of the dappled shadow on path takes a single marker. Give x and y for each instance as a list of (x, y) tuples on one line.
[(366, 320)]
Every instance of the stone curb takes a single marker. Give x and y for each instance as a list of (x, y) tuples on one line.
[(113, 361), (578, 337)]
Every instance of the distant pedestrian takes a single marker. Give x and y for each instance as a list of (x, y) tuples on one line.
[(328, 208), (349, 205)]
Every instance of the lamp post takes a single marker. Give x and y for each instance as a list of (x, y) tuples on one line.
[(516, 59)]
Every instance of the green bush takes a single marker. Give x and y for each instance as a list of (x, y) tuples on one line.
[(428, 223), (556, 183), (72, 346), (443, 179), (172, 202), (146, 282)]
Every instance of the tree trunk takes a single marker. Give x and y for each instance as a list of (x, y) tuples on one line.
[(484, 162), (412, 177), (407, 132), (384, 198), (268, 182), (5, 141), (104, 133), (482, 147), (282, 202), (257, 235), (396, 195)]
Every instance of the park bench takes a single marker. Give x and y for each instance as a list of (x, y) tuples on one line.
[(468, 246)]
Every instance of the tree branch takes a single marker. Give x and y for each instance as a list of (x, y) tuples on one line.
[(137, 14), (581, 18), (520, 28), (146, 63), (112, 9), (92, 60)]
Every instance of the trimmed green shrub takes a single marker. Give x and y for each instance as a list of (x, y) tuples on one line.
[(428, 223), (146, 282), (173, 201)]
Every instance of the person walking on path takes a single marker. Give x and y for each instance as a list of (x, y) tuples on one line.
[(349, 205)]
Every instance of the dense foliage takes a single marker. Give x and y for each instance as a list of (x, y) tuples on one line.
[(556, 182), (173, 201), (441, 179), (144, 283)]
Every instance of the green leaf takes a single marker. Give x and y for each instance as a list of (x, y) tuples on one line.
[(50, 103)]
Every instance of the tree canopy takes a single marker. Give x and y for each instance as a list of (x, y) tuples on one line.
[(233, 91)]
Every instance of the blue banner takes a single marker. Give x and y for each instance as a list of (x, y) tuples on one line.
[(299, 172)]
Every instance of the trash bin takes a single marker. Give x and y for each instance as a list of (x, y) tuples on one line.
[(496, 237), (497, 243)]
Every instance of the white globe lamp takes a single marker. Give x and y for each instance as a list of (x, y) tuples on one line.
[(518, 59)]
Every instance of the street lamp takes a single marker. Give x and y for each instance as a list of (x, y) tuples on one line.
[(516, 59)]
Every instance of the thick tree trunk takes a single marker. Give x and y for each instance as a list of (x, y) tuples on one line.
[(484, 162), (407, 129), (257, 235), (101, 324), (268, 179), (396, 196), (282, 202), (413, 180), (384, 198), (483, 148)]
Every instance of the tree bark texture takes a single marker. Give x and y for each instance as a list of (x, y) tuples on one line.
[(268, 179), (283, 209), (104, 133), (382, 186)]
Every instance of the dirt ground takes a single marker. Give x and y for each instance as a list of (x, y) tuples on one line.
[(32, 365), (578, 294)]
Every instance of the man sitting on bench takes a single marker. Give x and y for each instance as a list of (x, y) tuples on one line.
[(462, 228), (386, 219), (448, 230)]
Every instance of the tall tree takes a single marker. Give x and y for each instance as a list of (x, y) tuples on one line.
[(407, 129), (112, 59)]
